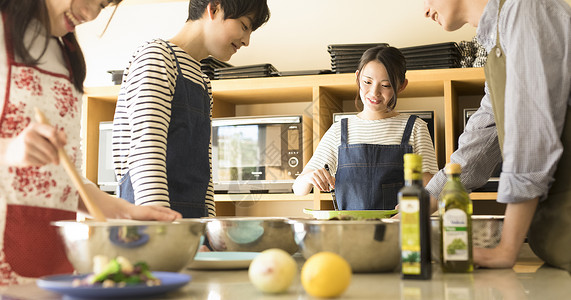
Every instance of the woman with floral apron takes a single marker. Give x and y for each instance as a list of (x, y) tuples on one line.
[(35, 196), (36, 71)]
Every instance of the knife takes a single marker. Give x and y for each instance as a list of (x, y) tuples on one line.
[(332, 191)]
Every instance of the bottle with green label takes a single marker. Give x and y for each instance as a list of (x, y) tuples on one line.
[(455, 208), (414, 206)]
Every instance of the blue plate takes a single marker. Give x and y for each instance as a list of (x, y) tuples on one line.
[(63, 284), (222, 260)]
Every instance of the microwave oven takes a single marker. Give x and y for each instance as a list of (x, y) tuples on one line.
[(492, 184), (256, 154), (106, 178), (427, 116)]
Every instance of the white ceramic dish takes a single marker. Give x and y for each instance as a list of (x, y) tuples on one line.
[(221, 260)]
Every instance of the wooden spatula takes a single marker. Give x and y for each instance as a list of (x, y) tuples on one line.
[(92, 207)]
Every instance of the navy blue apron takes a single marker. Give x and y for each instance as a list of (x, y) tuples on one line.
[(188, 142), (370, 176)]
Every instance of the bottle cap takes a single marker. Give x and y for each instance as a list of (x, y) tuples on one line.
[(453, 168), (412, 161)]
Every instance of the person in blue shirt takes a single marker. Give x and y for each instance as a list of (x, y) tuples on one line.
[(523, 120)]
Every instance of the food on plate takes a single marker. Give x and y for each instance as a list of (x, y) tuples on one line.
[(272, 271), (117, 272), (325, 275)]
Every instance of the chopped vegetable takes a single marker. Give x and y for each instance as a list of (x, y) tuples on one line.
[(119, 272)]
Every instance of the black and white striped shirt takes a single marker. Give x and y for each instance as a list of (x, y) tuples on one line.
[(142, 118)]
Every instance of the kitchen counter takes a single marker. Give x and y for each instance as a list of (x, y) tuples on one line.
[(529, 279)]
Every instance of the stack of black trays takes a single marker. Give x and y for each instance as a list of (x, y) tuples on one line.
[(209, 64), (432, 56), (345, 57), (250, 71)]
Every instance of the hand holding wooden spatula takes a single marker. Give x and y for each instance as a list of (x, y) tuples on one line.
[(92, 207)]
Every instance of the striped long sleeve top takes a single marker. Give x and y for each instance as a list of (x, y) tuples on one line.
[(387, 131), (142, 118)]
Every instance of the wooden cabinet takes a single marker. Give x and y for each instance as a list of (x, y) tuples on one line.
[(447, 92)]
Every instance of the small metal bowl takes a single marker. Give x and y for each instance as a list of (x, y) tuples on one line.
[(486, 232), (164, 246), (250, 234), (367, 245)]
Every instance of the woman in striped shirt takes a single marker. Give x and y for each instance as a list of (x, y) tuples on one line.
[(162, 125), (367, 150)]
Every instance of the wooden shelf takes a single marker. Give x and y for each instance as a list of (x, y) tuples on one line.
[(326, 94)]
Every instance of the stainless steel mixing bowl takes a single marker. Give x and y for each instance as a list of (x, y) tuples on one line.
[(486, 232), (252, 234), (164, 246), (367, 245)]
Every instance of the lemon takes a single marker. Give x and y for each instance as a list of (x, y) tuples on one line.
[(325, 275)]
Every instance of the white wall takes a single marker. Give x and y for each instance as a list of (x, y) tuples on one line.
[(295, 38)]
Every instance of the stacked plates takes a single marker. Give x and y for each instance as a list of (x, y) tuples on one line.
[(432, 56), (250, 71), (209, 64), (345, 57), (302, 72)]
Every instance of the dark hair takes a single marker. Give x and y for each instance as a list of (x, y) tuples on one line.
[(19, 14), (233, 9), (394, 62)]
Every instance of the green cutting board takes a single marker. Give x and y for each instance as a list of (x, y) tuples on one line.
[(357, 214)]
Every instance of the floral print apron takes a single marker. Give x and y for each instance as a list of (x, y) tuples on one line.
[(32, 197)]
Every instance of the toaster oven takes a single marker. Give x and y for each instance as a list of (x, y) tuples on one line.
[(106, 178), (256, 154)]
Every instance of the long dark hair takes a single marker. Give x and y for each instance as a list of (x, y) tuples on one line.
[(394, 62), (19, 14)]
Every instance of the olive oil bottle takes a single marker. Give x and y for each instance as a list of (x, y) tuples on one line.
[(455, 208), (414, 206)]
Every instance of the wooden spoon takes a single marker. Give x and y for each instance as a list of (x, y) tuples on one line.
[(92, 207)]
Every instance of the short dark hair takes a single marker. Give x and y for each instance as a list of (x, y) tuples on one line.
[(233, 9), (395, 63)]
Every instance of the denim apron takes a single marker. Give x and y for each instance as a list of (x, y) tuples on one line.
[(188, 142), (549, 235), (369, 176)]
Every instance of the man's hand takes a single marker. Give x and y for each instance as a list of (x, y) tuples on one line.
[(496, 258), (516, 224), (149, 212)]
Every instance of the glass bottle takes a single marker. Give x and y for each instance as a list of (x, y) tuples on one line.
[(455, 210), (414, 206)]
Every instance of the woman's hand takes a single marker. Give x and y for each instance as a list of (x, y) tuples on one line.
[(319, 178), (36, 145)]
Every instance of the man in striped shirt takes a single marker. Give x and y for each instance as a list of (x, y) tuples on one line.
[(162, 126)]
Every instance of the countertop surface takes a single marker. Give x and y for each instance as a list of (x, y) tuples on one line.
[(529, 279)]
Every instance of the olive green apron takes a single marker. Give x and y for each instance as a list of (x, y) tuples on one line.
[(550, 233)]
